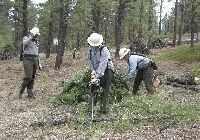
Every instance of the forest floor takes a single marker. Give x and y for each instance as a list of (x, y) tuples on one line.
[(18, 115)]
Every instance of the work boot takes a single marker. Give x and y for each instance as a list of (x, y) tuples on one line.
[(20, 93), (23, 86), (30, 93)]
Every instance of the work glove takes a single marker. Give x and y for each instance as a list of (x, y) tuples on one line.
[(40, 67), (95, 82), (93, 72), (21, 57), (94, 79)]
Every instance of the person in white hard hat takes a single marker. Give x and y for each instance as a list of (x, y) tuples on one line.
[(30, 62), (101, 66), (140, 68)]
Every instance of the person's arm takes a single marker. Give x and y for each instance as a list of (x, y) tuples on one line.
[(132, 68), (89, 59), (103, 62), (27, 40)]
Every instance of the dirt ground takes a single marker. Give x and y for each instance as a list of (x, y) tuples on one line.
[(17, 115)]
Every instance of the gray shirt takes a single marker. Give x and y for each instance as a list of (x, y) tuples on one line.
[(29, 46), (133, 61), (99, 59)]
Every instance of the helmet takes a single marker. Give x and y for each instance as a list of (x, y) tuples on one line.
[(35, 31), (123, 52), (95, 39)]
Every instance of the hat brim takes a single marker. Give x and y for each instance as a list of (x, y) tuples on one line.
[(125, 53), (34, 32), (95, 44)]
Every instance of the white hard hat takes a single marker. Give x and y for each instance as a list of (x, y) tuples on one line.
[(123, 52), (95, 39), (35, 31)]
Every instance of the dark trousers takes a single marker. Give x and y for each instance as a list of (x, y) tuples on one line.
[(145, 75), (30, 66), (105, 83)]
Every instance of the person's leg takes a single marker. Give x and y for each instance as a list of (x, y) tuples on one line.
[(31, 83), (137, 82), (104, 97), (148, 79), (28, 72)]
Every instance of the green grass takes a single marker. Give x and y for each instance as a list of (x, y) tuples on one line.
[(183, 53), (139, 110), (195, 69)]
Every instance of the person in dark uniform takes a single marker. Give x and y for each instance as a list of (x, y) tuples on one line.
[(101, 66), (140, 68), (30, 62)]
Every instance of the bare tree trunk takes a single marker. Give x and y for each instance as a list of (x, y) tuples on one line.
[(118, 25), (150, 22), (50, 38), (106, 26), (140, 21), (16, 36), (181, 25), (160, 17), (197, 39), (95, 15), (62, 34), (175, 23), (192, 23), (78, 39), (24, 17)]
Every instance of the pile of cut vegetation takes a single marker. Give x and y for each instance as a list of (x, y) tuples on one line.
[(76, 90)]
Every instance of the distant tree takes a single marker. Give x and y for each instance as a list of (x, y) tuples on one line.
[(180, 32), (160, 16), (175, 23)]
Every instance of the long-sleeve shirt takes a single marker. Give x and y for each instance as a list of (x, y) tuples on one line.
[(30, 47), (133, 63), (99, 59)]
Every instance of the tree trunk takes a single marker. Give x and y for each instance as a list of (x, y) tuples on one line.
[(192, 23), (24, 17), (62, 34), (175, 23), (50, 38), (16, 36), (118, 26), (150, 23), (197, 38), (181, 25), (95, 15), (78, 40), (140, 21), (106, 26), (160, 17)]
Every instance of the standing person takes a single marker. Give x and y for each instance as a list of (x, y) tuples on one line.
[(140, 68), (101, 66), (30, 62)]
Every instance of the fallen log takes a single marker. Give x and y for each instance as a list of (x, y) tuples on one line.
[(188, 87), (185, 80)]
